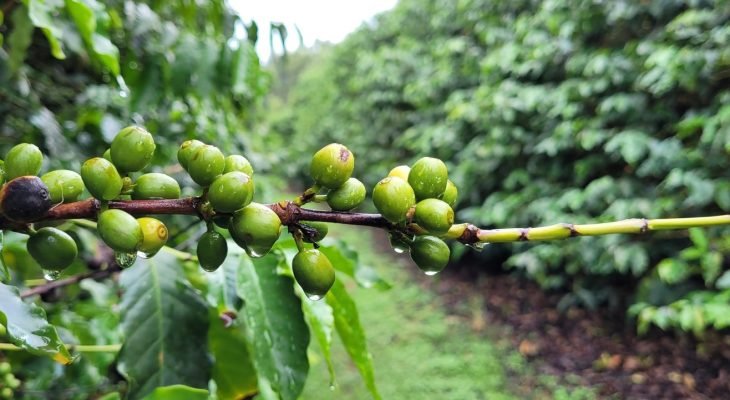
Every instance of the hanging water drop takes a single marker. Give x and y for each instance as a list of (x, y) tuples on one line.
[(332, 387), (399, 244), (253, 252), (123, 88), (314, 297), (430, 273), (125, 260), (142, 254), (51, 275), (478, 246)]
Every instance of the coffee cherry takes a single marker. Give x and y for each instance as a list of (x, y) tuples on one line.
[(2, 172), (5, 368), (63, 185), (186, 151), (255, 228), (430, 254), (107, 155), (212, 250), (393, 197), (206, 164), (6, 393), (154, 235), (434, 215), (101, 178), (23, 159), (155, 186), (313, 272), (347, 196), (332, 165), (450, 194), (237, 162), (230, 192), (222, 220), (321, 229), (24, 199), (52, 248), (132, 149), (428, 177), (120, 231), (400, 171)]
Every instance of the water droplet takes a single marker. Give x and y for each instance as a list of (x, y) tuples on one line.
[(479, 246), (142, 254), (314, 297), (123, 88), (254, 252), (125, 260), (332, 386), (430, 273), (51, 275), (398, 244)]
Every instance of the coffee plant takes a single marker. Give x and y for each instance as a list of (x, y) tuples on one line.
[(263, 302)]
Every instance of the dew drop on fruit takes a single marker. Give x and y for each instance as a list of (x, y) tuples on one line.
[(253, 253), (125, 260), (142, 254), (314, 297), (430, 273), (398, 245), (51, 275)]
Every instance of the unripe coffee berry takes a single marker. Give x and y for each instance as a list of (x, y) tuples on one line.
[(52, 248), (237, 162), (428, 178), (393, 197), (332, 165), (255, 228), (132, 149), (107, 155), (22, 160), (430, 254), (24, 199), (313, 271), (450, 194), (212, 250), (120, 231), (347, 196), (154, 235), (400, 171), (63, 185), (206, 164), (155, 186), (186, 151), (434, 215), (101, 178), (230, 192)]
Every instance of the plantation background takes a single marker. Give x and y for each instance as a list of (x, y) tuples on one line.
[(545, 111)]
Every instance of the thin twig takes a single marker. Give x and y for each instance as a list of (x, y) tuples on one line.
[(47, 287)]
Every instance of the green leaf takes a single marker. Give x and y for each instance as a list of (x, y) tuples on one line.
[(4, 271), (83, 17), (673, 271), (165, 324), (233, 370), (19, 38), (28, 328), (41, 14), (699, 238), (275, 326), (321, 323), (102, 48), (106, 53), (346, 260), (177, 392), (723, 282), (347, 322), (221, 292), (111, 396)]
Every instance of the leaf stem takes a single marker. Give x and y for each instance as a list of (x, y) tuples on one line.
[(82, 348)]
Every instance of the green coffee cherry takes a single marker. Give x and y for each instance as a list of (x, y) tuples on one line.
[(332, 165), (321, 229), (186, 151), (313, 272), (230, 192), (212, 250), (6, 393), (237, 162), (400, 171), (206, 164), (430, 254), (428, 178), (63, 185), (347, 196), (154, 235), (393, 197), (155, 186), (255, 228), (434, 215), (52, 248), (450, 194), (2, 172), (107, 155), (5, 368), (120, 231), (12, 381), (24, 199), (101, 178), (132, 149), (22, 160), (222, 220)]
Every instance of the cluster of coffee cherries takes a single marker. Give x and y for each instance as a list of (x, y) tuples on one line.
[(424, 195), (8, 382)]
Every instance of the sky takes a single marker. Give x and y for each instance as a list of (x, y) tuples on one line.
[(324, 20)]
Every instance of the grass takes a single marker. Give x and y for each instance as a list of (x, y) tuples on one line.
[(420, 351)]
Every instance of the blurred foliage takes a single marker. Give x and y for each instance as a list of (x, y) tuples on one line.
[(549, 111)]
